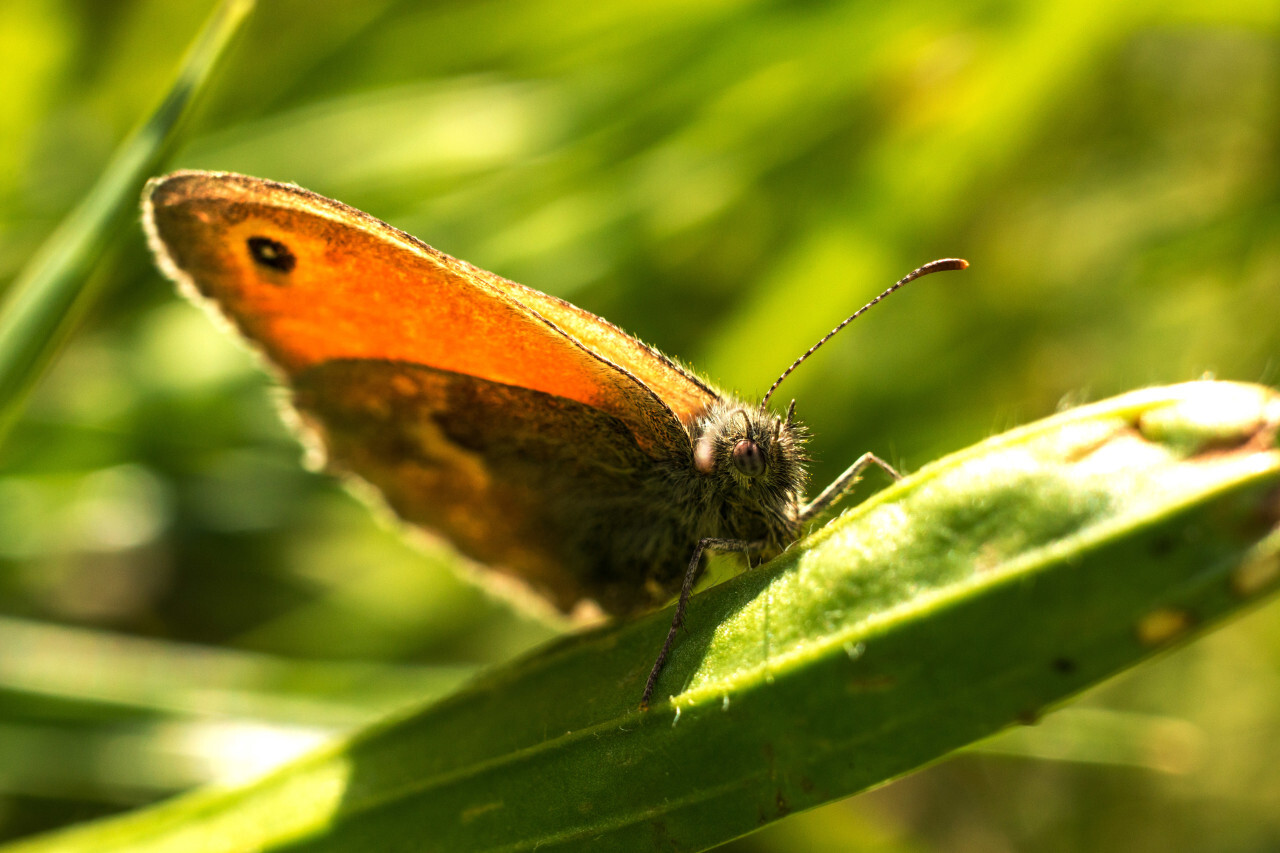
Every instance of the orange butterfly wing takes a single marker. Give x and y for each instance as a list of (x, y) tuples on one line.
[(378, 331), (363, 289)]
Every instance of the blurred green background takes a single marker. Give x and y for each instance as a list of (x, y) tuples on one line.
[(182, 602)]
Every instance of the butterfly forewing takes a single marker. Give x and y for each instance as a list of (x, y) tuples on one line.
[(358, 288)]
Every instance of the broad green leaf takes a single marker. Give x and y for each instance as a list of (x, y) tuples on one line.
[(51, 292), (975, 594)]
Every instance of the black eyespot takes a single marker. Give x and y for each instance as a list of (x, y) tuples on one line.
[(749, 458), (271, 253)]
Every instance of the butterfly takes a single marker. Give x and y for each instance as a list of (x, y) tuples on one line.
[(541, 440)]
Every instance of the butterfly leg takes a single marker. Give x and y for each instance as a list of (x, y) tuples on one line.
[(686, 589), (842, 484)]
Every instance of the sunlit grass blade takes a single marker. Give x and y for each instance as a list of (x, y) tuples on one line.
[(166, 679), (50, 292), (973, 595), (184, 714)]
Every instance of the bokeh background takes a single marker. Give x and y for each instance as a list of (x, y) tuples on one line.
[(181, 601)]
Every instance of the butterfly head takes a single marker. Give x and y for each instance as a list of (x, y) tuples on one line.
[(750, 450)]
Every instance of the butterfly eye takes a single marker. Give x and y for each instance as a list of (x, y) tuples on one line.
[(749, 458), (273, 254)]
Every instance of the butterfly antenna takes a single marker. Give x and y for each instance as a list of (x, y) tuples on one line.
[(933, 266)]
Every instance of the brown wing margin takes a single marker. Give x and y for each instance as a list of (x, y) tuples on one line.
[(359, 288)]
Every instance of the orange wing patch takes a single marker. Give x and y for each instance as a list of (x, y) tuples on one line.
[(311, 280)]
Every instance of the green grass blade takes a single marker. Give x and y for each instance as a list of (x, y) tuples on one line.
[(165, 679), (50, 293), (975, 594)]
